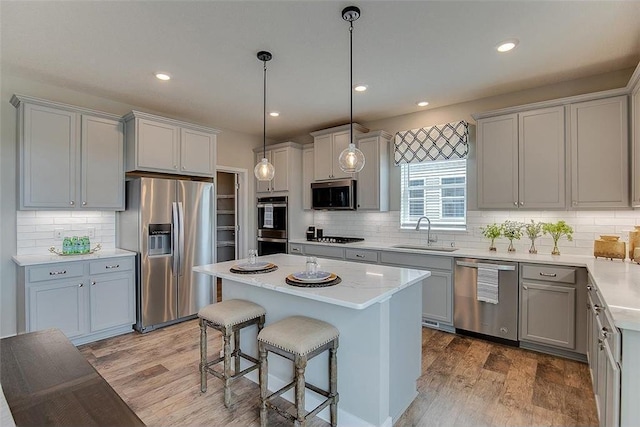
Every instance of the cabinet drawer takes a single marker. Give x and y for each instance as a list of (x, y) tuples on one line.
[(426, 262), (549, 273), (296, 249), (55, 271), (111, 265), (361, 255), (324, 251)]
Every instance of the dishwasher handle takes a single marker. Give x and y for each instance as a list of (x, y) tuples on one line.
[(500, 267)]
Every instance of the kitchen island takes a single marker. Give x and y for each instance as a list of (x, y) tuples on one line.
[(377, 310)]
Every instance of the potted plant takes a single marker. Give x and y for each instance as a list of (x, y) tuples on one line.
[(512, 230), (492, 232), (533, 230), (557, 230)]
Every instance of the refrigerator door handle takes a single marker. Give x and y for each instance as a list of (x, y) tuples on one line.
[(181, 239), (174, 232)]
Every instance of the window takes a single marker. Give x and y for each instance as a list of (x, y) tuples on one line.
[(437, 190)]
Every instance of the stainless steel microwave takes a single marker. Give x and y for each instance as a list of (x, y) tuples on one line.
[(334, 195)]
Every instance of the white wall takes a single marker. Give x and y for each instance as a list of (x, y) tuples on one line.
[(234, 149)]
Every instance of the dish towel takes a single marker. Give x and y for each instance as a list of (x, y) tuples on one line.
[(487, 283), (268, 216)]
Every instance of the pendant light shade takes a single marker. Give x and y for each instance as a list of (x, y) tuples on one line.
[(264, 171), (351, 159)]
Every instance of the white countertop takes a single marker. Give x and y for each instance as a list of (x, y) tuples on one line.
[(24, 260), (618, 281), (362, 284)]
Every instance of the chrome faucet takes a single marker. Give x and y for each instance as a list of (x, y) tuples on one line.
[(429, 241)]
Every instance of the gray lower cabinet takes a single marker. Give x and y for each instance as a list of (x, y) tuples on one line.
[(551, 314), (87, 300), (324, 251)]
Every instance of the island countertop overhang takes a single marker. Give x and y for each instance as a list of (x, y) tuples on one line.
[(362, 284)]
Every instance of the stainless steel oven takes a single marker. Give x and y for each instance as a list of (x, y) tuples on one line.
[(272, 225)]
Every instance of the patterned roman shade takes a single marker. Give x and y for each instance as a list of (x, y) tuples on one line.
[(449, 141)]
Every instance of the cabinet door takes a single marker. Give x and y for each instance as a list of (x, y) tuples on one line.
[(112, 297), (307, 177), (369, 176), (197, 152), (158, 146), (612, 388), (498, 162), (599, 153), (61, 305), (340, 141), (102, 184), (49, 155), (263, 186), (635, 118), (280, 159), (541, 163), (548, 314), (323, 157), (437, 297)]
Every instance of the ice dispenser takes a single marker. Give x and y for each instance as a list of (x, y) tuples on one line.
[(159, 239)]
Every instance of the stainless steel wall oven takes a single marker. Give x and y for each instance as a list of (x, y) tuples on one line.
[(273, 223)]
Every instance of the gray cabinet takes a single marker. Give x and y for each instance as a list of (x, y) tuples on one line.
[(68, 157), (307, 176), (551, 314), (160, 144), (87, 300), (373, 180), (327, 146), (635, 146), (521, 160), (286, 159), (599, 153)]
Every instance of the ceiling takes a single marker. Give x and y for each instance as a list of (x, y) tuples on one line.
[(405, 51)]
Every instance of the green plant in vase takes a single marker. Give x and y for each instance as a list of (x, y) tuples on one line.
[(512, 230), (492, 231), (533, 230), (557, 230)]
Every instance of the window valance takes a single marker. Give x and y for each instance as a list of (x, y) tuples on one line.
[(448, 141)]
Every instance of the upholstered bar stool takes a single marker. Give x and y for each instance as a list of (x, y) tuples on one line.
[(228, 317), (299, 339)]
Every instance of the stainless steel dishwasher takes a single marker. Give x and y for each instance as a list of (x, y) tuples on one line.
[(496, 320)]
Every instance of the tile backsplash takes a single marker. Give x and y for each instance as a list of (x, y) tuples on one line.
[(385, 227), (35, 229)]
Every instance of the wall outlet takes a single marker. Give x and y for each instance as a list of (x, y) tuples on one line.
[(57, 233), (91, 232)]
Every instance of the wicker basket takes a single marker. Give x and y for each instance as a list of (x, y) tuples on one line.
[(634, 240), (609, 247)]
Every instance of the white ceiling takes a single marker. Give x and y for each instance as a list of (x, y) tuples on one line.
[(404, 51)]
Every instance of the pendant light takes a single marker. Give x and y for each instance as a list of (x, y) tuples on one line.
[(264, 171), (351, 159)]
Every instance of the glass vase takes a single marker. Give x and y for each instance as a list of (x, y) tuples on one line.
[(532, 249), (492, 246), (555, 250), (511, 247)]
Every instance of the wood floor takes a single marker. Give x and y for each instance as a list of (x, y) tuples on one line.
[(464, 382)]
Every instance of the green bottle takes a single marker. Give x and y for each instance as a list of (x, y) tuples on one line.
[(75, 246), (66, 246)]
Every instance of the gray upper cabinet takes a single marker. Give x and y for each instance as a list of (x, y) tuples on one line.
[(373, 180), (635, 147), (521, 160), (160, 144), (307, 177), (599, 153), (327, 146), (286, 157), (68, 157)]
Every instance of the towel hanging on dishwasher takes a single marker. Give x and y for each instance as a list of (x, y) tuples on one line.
[(487, 283), (268, 216)]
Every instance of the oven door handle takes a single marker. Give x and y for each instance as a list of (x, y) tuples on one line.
[(275, 205), (497, 266), (268, 239)]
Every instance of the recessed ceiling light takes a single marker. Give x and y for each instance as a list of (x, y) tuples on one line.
[(163, 76), (274, 113), (507, 45), (360, 88), (422, 103)]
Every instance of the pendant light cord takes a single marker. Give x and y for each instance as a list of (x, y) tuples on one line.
[(351, 81), (264, 114)]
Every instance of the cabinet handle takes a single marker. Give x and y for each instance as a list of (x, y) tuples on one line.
[(359, 256), (183, 168), (295, 250), (526, 288), (80, 285), (112, 266), (605, 332), (93, 283), (57, 273), (521, 203), (600, 344), (548, 274), (574, 203), (72, 203), (515, 203), (84, 203), (175, 166), (589, 287), (588, 306), (597, 308)]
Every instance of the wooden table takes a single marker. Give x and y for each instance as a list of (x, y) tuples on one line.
[(47, 382)]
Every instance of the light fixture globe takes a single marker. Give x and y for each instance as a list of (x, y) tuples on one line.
[(351, 159), (264, 171)]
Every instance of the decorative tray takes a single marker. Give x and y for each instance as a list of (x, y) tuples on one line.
[(257, 268), (331, 280), (53, 250)]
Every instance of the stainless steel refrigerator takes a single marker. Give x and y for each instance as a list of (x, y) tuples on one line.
[(169, 223)]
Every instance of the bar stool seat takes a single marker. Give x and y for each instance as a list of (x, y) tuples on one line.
[(299, 338), (228, 317)]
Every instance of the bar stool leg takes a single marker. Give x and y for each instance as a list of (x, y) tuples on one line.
[(300, 365), (263, 369), (236, 351), (227, 368), (333, 385), (203, 356)]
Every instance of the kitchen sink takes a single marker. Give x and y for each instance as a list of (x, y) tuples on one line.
[(425, 248)]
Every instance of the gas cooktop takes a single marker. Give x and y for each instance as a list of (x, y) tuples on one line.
[(337, 239)]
